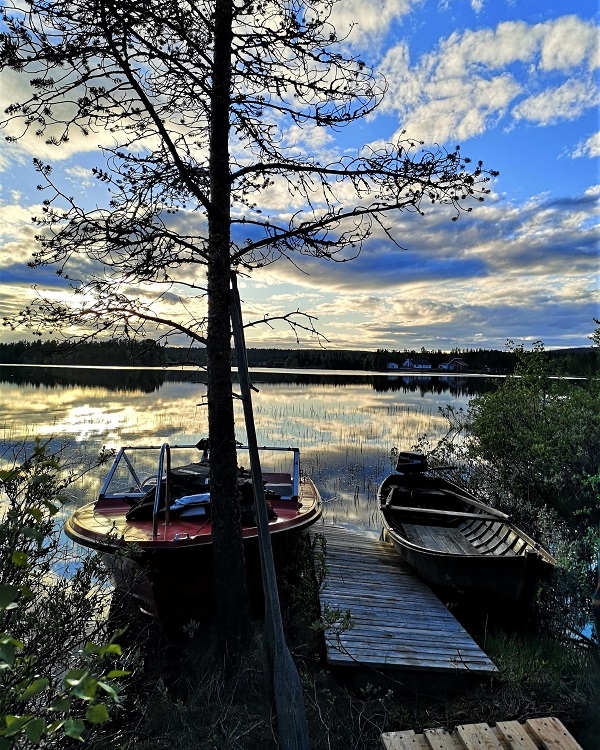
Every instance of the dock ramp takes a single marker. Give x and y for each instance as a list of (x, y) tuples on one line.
[(398, 624)]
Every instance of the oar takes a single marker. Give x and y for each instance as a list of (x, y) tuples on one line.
[(477, 504), (417, 494), (287, 689), (434, 512)]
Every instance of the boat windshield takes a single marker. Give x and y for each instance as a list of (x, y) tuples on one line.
[(137, 469)]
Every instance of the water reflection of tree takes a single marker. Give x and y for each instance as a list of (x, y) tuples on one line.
[(131, 381), (140, 380), (460, 386)]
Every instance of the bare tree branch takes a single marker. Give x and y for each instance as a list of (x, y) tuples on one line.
[(192, 103)]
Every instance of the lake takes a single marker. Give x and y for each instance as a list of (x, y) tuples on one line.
[(345, 423)]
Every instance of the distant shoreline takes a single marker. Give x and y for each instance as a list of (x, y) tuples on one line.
[(437, 373), (149, 355)]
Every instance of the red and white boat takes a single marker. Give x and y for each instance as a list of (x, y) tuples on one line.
[(152, 522)]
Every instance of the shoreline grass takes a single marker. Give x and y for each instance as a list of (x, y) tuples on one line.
[(196, 702)]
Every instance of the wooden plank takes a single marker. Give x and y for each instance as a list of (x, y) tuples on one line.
[(416, 618), (552, 733), (485, 543), (386, 576), (477, 737), (476, 532), (340, 655), (390, 596), (457, 543), (398, 665), (461, 541), (406, 740), (392, 635), (398, 622), (389, 635), (438, 739), (373, 587), (346, 651), (397, 641), (515, 735), (435, 513), (429, 538), (448, 659), (537, 734), (372, 652)]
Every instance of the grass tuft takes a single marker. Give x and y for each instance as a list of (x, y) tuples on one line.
[(197, 703)]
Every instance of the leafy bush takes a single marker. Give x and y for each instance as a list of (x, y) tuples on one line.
[(55, 681), (539, 436), (530, 448)]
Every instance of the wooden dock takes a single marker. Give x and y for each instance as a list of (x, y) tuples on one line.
[(398, 623), (535, 734)]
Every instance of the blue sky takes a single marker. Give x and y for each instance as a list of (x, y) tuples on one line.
[(516, 85)]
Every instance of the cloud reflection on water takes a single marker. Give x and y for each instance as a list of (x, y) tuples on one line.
[(344, 425)]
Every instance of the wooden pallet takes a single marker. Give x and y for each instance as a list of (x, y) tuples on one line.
[(535, 734)]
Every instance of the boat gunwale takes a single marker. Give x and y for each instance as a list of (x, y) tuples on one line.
[(529, 546), (78, 532)]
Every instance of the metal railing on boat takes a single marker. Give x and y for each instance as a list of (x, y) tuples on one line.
[(165, 451), (164, 472)]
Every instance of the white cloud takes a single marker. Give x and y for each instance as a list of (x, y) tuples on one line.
[(370, 21), (464, 110), (309, 135), (486, 49), (567, 102), (14, 219), (475, 78), (4, 160), (15, 87), (55, 141), (493, 256), (567, 43), (80, 176), (590, 147)]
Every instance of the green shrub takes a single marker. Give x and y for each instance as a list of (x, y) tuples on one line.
[(531, 448), (56, 683), (538, 436)]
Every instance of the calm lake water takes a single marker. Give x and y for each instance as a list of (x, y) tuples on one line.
[(345, 424)]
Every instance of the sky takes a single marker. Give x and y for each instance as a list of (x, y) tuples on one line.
[(515, 83)]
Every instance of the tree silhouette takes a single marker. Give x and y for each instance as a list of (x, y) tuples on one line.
[(197, 106)]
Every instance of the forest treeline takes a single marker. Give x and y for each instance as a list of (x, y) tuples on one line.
[(577, 362)]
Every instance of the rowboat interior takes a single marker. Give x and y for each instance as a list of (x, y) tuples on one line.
[(437, 518), (467, 551)]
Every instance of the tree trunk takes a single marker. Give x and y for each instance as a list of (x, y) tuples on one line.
[(230, 579)]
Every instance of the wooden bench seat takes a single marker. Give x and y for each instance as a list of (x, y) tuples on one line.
[(439, 539)]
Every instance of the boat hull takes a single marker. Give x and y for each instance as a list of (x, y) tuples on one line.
[(170, 575), (497, 582), (466, 551)]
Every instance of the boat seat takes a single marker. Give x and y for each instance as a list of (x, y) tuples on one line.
[(439, 539)]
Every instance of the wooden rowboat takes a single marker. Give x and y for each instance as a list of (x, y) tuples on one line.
[(461, 547), (155, 533)]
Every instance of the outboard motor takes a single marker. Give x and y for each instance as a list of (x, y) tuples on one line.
[(410, 462), (204, 446)]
